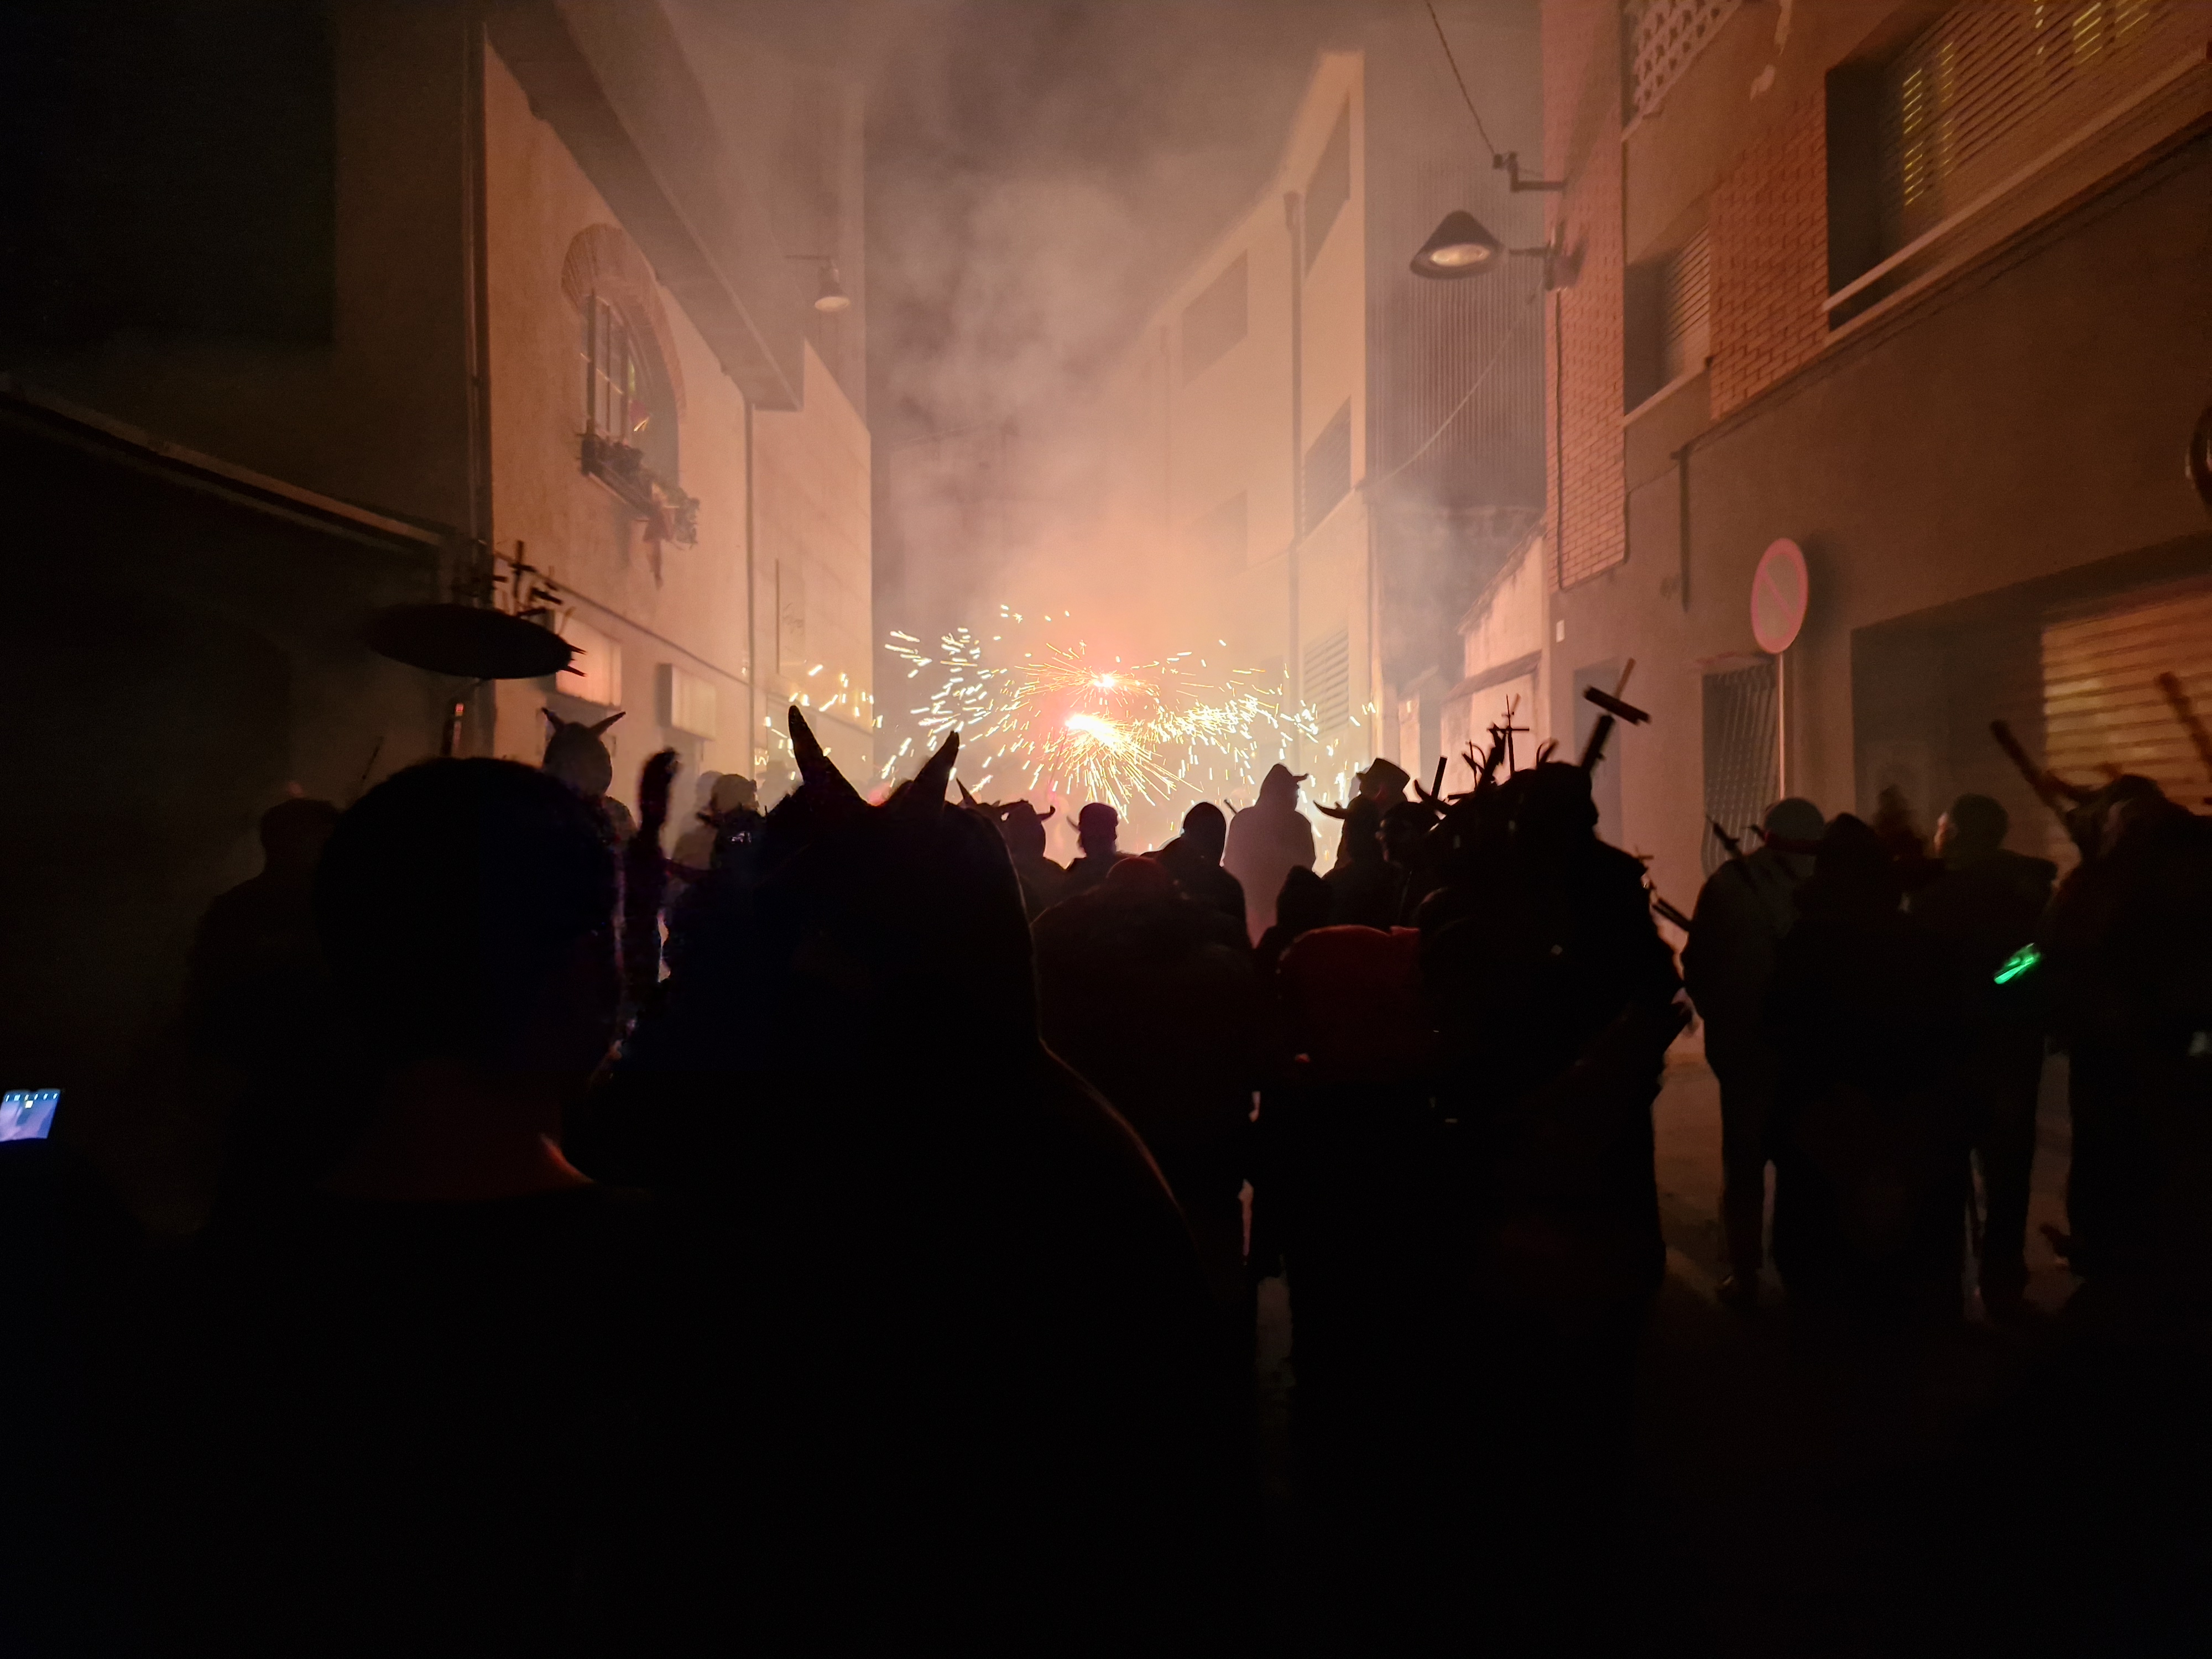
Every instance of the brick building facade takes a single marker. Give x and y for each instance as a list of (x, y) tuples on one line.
[(1925, 290)]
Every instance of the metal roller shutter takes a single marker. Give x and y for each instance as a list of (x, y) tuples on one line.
[(2103, 712)]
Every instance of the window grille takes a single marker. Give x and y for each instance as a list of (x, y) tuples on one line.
[(1330, 187), (1216, 320), (614, 390), (1328, 466), (1741, 760), (1685, 293), (1987, 88), (1328, 681), (1664, 38)]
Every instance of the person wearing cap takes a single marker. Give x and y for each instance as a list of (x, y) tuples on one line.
[(1266, 841), (1022, 828), (1744, 911), (722, 796), (1096, 827)]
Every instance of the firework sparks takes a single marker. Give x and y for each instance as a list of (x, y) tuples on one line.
[(1056, 720)]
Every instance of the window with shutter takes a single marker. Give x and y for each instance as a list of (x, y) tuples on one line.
[(1686, 291), (1987, 89), (1667, 333)]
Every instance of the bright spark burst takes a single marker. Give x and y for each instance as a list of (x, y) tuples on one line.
[(1057, 722)]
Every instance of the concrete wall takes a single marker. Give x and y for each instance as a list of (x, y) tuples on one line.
[(812, 468), (378, 414), (2010, 431), (667, 606), (1184, 445)]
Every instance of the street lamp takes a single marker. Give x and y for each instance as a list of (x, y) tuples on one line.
[(1459, 246)]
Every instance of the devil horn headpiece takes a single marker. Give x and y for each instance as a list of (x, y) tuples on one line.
[(925, 794), (814, 767)]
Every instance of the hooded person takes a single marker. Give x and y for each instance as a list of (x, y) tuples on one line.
[(1194, 858), (843, 1076), (1097, 827), (1744, 911), (1266, 841)]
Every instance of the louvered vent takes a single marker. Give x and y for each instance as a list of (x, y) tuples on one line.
[(1328, 681), (1685, 295)]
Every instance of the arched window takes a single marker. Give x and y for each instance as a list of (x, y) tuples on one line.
[(633, 398)]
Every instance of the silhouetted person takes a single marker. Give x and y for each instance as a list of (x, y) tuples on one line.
[(577, 754), (1351, 1190), (1744, 911), (965, 1369), (1194, 858), (1044, 883), (722, 796), (1556, 1000), (1870, 1136), (2124, 980), (1302, 905), (2124, 984), (1266, 841), (1097, 827), (1406, 844), (1152, 996), (252, 1008), (1364, 887), (1383, 784), (257, 941), (1985, 903), (435, 1383)]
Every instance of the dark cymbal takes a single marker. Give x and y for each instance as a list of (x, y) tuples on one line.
[(466, 641)]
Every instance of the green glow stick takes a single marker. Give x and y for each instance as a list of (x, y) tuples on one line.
[(2018, 963)]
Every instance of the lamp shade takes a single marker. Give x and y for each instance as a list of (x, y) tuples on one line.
[(831, 297), (466, 641), (1459, 246)]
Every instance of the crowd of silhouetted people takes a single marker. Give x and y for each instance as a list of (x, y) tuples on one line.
[(843, 1231)]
